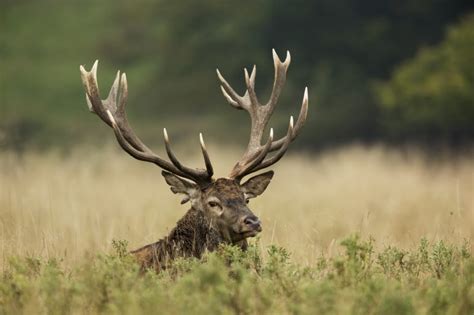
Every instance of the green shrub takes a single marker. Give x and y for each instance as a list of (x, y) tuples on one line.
[(435, 278)]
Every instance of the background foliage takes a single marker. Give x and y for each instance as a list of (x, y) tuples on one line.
[(376, 70), (432, 94)]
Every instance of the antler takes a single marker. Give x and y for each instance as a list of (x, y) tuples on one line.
[(112, 112), (255, 157)]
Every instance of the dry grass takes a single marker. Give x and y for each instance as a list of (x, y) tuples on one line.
[(72, 207)]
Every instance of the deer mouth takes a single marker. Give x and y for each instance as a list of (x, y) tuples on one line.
[(251, 233)]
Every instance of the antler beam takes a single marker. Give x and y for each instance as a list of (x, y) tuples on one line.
[(112, 112), (255, 156)]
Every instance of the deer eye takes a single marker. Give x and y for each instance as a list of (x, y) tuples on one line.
[(213, 204), (247, 200)]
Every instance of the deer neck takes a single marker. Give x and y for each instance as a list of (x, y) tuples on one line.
[(212, 227), (194, 234)]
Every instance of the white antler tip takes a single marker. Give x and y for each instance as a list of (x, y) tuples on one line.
[(305, 97), (247, 78), (275, 56), (111, 117), (291, 122), (227, 97), (271, 133), (94, 69), (117, 77), (201, 139), (288, 57), (165, 134), (253, 74)]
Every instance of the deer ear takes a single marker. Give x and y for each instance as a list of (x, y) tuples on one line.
[(256, 185), (180, 185)]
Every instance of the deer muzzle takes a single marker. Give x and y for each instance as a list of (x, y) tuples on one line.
[(253, 223)]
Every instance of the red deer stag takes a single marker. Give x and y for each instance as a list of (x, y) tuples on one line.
[(219, 207)]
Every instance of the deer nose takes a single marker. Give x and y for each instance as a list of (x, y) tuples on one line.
[(253, 222)]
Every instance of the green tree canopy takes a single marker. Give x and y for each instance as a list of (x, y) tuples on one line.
[(432, 95)]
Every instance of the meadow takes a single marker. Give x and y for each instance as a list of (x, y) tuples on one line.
[(358, 230)]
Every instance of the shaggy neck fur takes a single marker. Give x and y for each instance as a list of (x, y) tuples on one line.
[(192, 236)]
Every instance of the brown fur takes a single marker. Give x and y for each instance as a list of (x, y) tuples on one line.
[(192, 236), (219, 215), (219, 212)]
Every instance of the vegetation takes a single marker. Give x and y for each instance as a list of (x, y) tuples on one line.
[(432, 279), (170, 51), (60, 214), (377, 71)]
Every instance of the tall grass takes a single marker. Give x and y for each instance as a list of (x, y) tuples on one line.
[(72, 206), (413, 216)]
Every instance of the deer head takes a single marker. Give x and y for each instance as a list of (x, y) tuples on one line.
[(224, 201)]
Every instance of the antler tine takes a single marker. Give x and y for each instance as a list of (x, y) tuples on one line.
[(112, 112), (275, 158), (112, 99), (181, 167), (299, 123), (170, 153), (140, 155), (231, 96), (100, 107), (250, 82), (207, 160), (280, 77), (123, 95), (229, 99), (240, 171), (89, 80)]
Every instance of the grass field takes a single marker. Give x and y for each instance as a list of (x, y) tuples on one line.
[(413, 214)]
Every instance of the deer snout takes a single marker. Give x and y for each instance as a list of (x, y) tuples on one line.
[(253, 222)]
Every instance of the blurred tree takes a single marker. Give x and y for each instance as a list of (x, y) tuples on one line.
[(431, 97), (343, 46), (174, 50), (170, 50)]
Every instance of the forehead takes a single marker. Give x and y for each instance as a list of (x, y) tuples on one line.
[(225, 188)]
